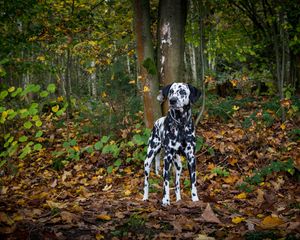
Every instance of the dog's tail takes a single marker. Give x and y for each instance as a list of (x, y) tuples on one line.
[(157, 164)]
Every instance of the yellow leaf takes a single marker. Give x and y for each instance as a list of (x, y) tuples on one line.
[(282, 126), (237, 220), (132, 82), (104, 95), (231, 179), (76, 148), (271, 222), (60, 98), (234, 82), (104, 217), (55, 108), (127, 192), (41, 58), (99, 236), (11, 89), (235, 108), (4, 114), (146, 89), (241, 196)]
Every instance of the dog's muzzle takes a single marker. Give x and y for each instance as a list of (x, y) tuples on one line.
[(173, 101)]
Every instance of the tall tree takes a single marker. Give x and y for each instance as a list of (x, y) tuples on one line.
[(172, 20), (147, 73)]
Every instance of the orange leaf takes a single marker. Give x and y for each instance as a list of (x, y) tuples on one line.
[(104, 217), (271, 222)]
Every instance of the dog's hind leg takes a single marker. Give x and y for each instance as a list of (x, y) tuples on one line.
[(178, 167), (157, 163), (192, 169)]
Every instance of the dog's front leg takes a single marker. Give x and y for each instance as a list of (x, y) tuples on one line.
[(167, 165), (192, 170), (178, 166)]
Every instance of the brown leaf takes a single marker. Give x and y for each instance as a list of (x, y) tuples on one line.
[(209, 216), (69, 217)]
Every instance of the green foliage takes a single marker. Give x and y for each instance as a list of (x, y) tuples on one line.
[(220, 171), (260, 175), (22, 120), (150, 66)]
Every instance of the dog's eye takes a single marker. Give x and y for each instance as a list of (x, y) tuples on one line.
[(182, 92), (171, 91)]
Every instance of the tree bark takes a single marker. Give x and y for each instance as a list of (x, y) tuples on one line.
[(171, 41), (147, 72)]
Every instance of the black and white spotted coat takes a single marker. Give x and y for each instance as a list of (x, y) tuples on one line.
[(175, 134)]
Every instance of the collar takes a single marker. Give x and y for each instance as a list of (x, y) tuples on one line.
[(178, 122)]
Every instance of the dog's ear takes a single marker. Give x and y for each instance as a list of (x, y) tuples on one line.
[(195, 93), (163, 94)]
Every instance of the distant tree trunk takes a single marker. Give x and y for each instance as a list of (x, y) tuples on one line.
[(193, 63), (147, 72), (68, 81), (171, 41), (93, 84)]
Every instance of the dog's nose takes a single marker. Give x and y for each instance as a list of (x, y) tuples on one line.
[(173, 101)]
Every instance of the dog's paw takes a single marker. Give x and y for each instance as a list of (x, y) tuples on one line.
[(145, 198), (165, 202), (195, 198)]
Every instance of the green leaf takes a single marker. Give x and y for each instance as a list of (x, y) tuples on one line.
[(12, 149), (3, 94), (39, 134), (27, 125), (98, 145), (37, 147), (104, 139), (6, 136), (73, 142), (15, 93), (150, 66), (44, 94), (66, 144), (51, 88), (2, 163), (110, 169), (118, 163), (38, 123), (25, 152), (23, 139)]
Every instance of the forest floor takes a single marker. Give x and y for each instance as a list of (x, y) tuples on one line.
[(83, 201)]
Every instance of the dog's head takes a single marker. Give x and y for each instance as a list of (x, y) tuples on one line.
[(179, 95)]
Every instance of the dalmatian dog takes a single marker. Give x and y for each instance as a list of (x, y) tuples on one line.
[(175, 134)]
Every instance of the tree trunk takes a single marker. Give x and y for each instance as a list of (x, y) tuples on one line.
[(171, 41), (147, 72), (68, 82)]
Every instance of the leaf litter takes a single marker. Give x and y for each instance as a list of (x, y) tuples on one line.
[(83, 201)]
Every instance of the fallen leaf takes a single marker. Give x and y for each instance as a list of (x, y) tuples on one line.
[(271, 222), (69, 217), (52, 204), (104, 217), (237, 220), (209, 216), (53, 185), (107, 188), (241, 196), (127, 192), (4, 218), (203, 237)]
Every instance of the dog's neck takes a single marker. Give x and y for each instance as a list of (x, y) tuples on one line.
[(182, 116)]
